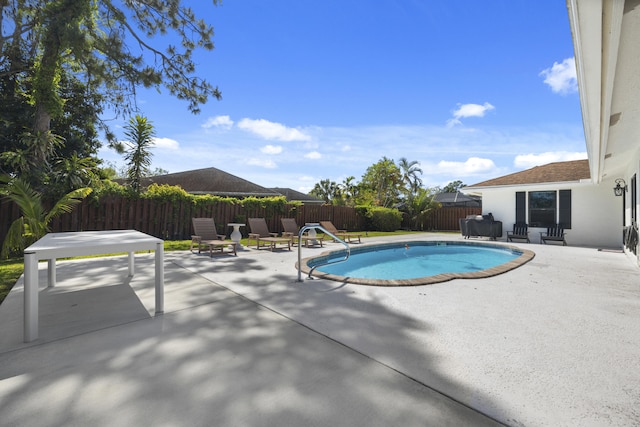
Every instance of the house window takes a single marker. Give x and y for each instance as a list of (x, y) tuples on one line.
[(542, 208)]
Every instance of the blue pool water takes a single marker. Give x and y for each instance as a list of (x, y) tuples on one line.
[(418, 259)]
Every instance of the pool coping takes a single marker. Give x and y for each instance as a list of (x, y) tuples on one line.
[(526, 255)]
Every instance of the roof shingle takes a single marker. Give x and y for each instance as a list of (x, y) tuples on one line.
[(293, 195), (574, 170), (211, 181)]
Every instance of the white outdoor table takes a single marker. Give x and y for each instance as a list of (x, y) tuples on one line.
[(236, 235), (64, 245)]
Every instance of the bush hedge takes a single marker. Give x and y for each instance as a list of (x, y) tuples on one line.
[(379, 218)]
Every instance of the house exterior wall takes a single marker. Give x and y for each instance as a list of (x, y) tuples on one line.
[(596, 213), (632, 211), (633, 168), (501, 203)]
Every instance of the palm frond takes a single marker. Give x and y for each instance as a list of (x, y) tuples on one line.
[(66, 203), (28, 200), (34, 222), (14, 241)]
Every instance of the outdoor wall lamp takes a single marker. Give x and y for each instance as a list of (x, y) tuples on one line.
[(620, 189)]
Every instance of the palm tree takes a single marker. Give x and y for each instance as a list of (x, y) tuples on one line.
[(410, 170), (419, 205), (348, 188), (31, 161), (140, 133), (74, 172), (453, 187), (35, 219), (326, 190)]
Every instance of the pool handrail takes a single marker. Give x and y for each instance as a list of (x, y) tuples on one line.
[(310, 226)]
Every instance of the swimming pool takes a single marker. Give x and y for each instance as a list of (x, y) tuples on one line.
[(417, 262)]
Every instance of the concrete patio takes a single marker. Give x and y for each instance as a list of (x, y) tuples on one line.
[(555, 342)]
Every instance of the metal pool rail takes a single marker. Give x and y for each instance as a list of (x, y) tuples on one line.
[(312, 226)]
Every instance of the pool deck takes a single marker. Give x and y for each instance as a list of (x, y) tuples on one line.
[(555, 342)]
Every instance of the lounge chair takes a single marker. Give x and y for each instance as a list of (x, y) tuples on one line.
[(555, 233), (343, 234), (261, 234), (206, 236), (520, 231), (292, 230)]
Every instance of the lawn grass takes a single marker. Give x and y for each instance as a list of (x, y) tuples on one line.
[(11, 269)]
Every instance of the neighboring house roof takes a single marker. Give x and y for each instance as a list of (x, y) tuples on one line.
[(296, 196), (575, 170), (211, 181), (457, 199)]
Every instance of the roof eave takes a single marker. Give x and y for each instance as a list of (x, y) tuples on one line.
[(596, 26), (234, 193), (556, 184)]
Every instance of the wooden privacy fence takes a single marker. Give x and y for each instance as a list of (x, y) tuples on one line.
[(448, 218), (172, 220)]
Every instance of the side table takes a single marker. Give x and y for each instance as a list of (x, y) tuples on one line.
[(312, 233), (236, 235)]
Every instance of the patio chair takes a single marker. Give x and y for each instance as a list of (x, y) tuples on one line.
[(520, 231), (554, 233), (261, 234), (343, 234), (292, 230), (206, 236)]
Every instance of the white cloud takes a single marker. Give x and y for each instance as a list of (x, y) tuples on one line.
[(472, 166), (561, 78), (167, 143), (223, 122), (265, 163), (428, 144), (271, 149), (346, 147), (272, 130), (527, 161), (313, 155), (311, 145), (469, 110), (307, 178)]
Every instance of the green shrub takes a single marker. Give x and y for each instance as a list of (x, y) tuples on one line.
[(379, 218), (108, 188), (363, 212), (271, 205), (207, 200), (167, 193)]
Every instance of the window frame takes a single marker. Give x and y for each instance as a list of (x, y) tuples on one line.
[(543, 208), (561, 212)]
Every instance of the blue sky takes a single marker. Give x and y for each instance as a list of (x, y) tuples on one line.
[(322, 90)]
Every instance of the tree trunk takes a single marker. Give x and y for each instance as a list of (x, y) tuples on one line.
[(42, 121)]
